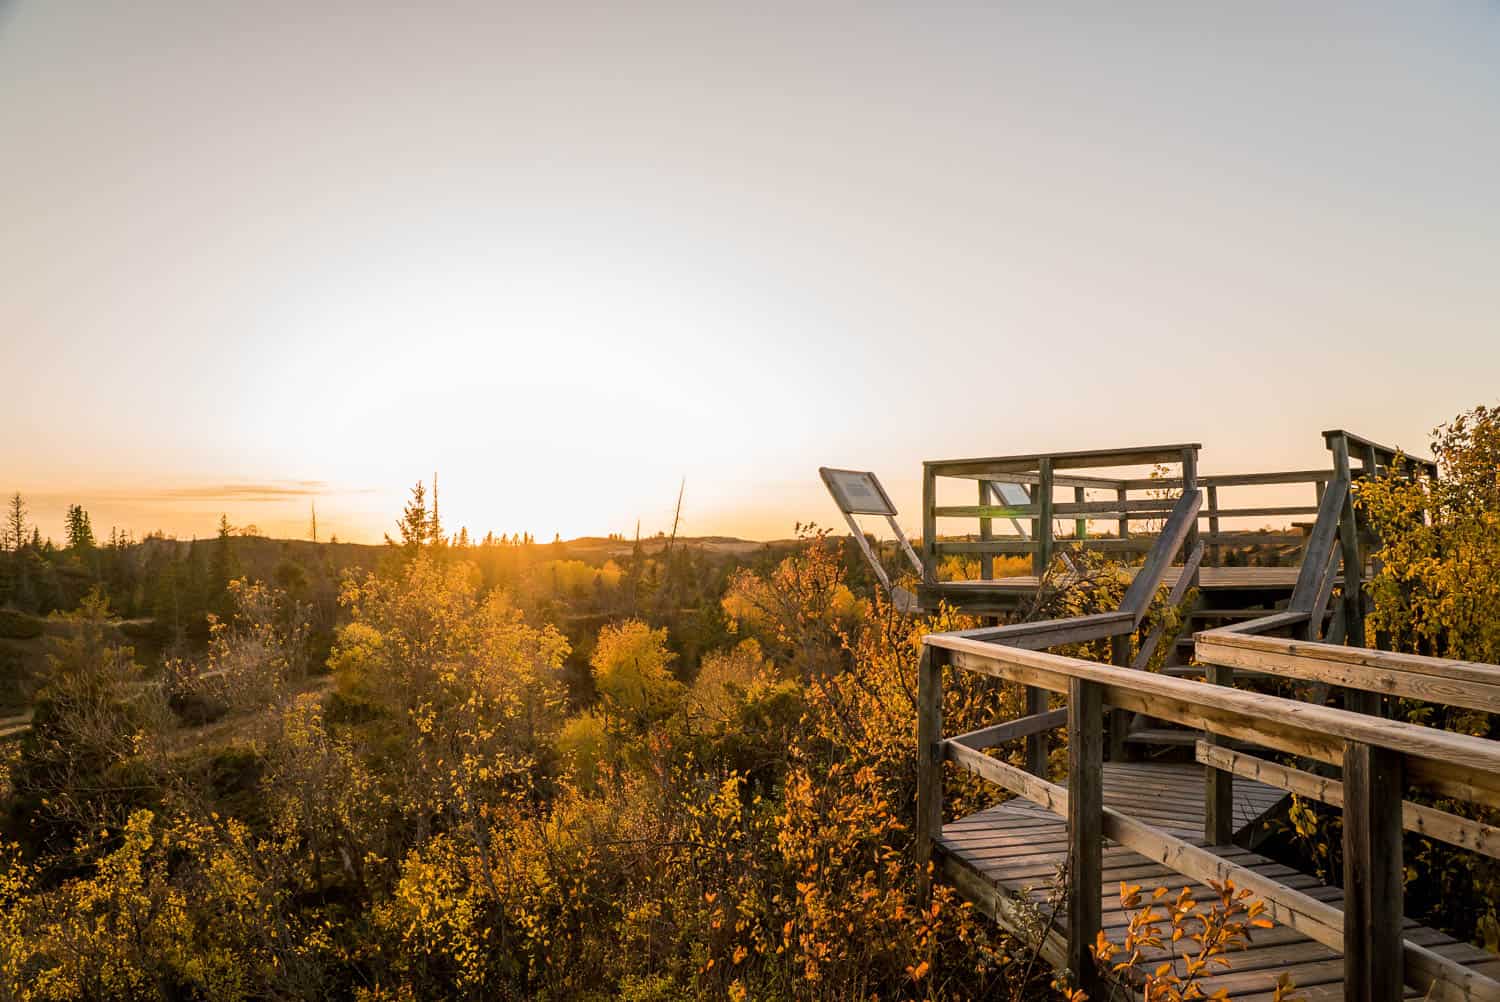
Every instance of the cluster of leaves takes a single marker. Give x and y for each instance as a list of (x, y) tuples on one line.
[(1172, 945), (1436, 591)]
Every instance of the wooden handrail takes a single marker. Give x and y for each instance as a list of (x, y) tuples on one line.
[(1143, 455), (1044, 633), (1468, 684), (1466, 833), (1022, 727), (1455, 765), (1232, 479)]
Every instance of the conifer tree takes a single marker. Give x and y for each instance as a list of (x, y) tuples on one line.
[(15, 523), (415, 524), (80, 529), (223, 565)]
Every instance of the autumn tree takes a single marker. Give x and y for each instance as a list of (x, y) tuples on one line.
[(1435, 589), (465, 691)]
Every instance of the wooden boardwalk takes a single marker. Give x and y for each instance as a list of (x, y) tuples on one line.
[(1015, 849)]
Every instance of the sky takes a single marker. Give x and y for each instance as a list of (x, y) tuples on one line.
[(260, 257)]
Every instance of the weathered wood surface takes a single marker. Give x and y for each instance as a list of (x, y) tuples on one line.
[(1449, 764), (994, 467), (1439, 680), (1466, 833), (1008, 854), (1085, 812), (1179, 531), (1373, 885), (1279, 578)]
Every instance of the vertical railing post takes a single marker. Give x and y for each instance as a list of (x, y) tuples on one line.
[(1373, 874), (1085, 831), (1038, 748), (1218, 784), (986, 533), (1354, 615), (1357, 700), (1042, 498), (1189, 484), (1081, 523), (1123, 497), (929, 524), (1119, 720), (1215, 552), (1041, 537), (929, 757)]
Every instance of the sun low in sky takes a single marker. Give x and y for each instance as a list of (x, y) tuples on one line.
[(259, 257)]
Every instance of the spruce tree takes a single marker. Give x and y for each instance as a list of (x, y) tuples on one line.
[(15, 524), (223, 567), (415, 524), (80, 529)]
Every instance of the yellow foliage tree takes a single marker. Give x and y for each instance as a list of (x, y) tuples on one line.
[(631, 665)]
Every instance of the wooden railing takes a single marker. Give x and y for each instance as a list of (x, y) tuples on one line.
[(1040, 475), (1117, 626), (1133, 509), (1381, 760), (1372, 788)]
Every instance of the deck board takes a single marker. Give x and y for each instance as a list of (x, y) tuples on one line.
[(1017, 847)]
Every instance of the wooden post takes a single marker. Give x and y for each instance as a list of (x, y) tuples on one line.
[(986, 533), (1085, 831), (1080, 525), (1037, 745), (1189, 484), (1354, 614), (1119, 720), (1123, 496), (1373, 874), (1042, 498), (929, 524), (1218, 784), (1213, 524), (1358, 700), (929, 758)]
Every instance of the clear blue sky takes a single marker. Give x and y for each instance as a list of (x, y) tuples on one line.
[(253, 254)]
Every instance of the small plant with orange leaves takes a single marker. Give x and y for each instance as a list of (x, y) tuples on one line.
[(1172, 947)]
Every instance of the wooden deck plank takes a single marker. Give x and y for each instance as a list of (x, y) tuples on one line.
[(1017, 846)]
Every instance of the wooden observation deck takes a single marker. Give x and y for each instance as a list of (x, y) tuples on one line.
[(1189, 822)]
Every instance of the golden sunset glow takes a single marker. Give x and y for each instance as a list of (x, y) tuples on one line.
[(568, 259)]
